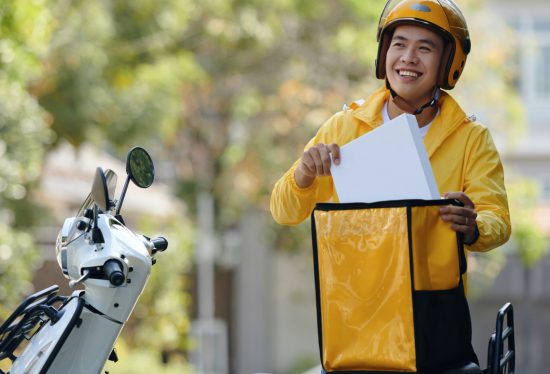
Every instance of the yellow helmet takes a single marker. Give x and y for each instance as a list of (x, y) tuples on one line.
[(441, 16)]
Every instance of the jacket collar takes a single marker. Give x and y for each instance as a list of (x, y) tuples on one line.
[(370, 113), (448, 121)]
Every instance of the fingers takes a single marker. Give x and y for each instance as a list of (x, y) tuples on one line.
[(317, 160), (461, 218), (308, 165), (322, 160), (460, 196), (462, 221)]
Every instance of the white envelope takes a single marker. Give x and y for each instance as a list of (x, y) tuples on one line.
[(387, 163)]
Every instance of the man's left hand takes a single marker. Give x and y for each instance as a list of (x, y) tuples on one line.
[(461, 218)]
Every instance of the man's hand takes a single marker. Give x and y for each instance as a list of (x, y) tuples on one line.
[(462, 219), (316, 161)]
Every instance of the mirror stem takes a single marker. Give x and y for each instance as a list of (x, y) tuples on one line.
[(97, 236), (122, 195)]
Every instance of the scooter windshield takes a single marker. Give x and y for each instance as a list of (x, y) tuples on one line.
[(88, 203)]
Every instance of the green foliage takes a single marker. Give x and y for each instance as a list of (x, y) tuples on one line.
[(280, 69), (18, 259), (483, 269), (23, 126), (115, 71), (221, 84), (527, 236), (111, 73), (24, 134), (528, 240)]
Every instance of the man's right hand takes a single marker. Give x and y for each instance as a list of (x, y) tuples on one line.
[(316, 161)]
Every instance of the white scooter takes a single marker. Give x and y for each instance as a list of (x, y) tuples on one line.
[(49, 333)]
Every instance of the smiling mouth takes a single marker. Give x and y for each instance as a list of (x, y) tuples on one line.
[(408, 73)]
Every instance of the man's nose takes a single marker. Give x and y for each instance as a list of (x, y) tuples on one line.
[(409, 56)]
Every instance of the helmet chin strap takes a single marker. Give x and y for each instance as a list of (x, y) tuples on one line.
[(411, 109)]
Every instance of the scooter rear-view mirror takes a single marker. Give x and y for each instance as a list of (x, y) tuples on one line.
[(140, 170)]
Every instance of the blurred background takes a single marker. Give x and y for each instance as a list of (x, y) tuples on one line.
[(224, 94)]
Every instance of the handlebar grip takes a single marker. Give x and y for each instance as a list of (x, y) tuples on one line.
[(160, 244), (113, 272)]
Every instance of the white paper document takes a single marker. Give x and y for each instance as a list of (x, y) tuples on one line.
[(387, 163)]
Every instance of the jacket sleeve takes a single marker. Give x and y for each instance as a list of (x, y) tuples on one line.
[(290, 204), (484, 184)]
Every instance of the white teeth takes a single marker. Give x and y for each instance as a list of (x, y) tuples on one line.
[(406, 73)]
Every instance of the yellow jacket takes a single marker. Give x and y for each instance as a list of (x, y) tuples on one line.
[(462, 154)]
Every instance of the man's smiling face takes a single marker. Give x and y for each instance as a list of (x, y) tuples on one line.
[(412, 63)]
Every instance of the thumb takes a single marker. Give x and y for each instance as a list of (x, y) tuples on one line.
[(335, 152)]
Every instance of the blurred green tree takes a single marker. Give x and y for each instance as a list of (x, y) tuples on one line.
[(114, 71), (24, 134), (273, 72), (86, 71), (112, 74), (529, 241)]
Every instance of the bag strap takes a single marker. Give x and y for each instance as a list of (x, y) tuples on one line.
[(317, 286)]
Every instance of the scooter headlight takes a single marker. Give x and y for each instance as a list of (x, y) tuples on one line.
[(61, 254), (61, 245)]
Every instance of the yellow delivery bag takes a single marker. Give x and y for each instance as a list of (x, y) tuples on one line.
[(390, 295)]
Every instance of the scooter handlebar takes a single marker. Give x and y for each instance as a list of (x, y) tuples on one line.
[(113, 272), (159, 244)]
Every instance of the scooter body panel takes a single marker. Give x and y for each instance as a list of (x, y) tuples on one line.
[(79, 342), (44, 345), (88, 346)]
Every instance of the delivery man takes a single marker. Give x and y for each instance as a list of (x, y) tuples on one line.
[(422, 50)]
